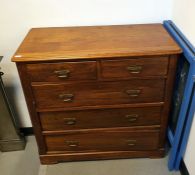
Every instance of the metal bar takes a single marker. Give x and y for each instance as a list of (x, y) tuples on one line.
[(188, 49), (170, 136), (10, 137)]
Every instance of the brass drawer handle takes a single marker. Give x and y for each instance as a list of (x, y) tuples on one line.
[(134, 69), (62, 73), (66, 97), (132, 117), (131, 142), (133, 92), (72, 144), (70, 121)]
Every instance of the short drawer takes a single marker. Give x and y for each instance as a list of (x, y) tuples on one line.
[(100, 118), (98, 93), (135, 67), (62, 72), (104, 140)]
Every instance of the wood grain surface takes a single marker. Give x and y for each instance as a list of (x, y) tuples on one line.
[(100, 118), (98, 93), (63, 43), (103, 140)]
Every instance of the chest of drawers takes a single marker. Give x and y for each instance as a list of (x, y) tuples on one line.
[(98, 92)]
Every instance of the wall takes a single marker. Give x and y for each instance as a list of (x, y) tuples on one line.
[(184, 17), (18, 16)]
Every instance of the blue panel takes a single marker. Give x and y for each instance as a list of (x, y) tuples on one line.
[(181, 120), (170, 136), (186, 132), (179, 139)]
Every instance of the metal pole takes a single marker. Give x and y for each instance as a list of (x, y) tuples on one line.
[(10, 137)]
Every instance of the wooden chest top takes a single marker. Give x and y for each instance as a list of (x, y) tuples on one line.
[(66, 43)]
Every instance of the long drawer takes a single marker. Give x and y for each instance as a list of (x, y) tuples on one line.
[(100, 118), (103, 140), (98, 93)]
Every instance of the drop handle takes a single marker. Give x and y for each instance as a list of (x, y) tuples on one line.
[(72, 144), (135, 69), (133, 92), (66, 97), (62, 73), (131, 142), (70, 121), (132, 117)]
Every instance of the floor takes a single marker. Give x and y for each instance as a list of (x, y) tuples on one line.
[(27, 163), (21, 162)]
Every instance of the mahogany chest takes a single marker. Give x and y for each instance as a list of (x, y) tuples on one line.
[(98, 92)]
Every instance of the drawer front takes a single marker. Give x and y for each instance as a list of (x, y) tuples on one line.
[(94, 93), (100, 118), (107, 140), (139, 67), (64, 71)]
